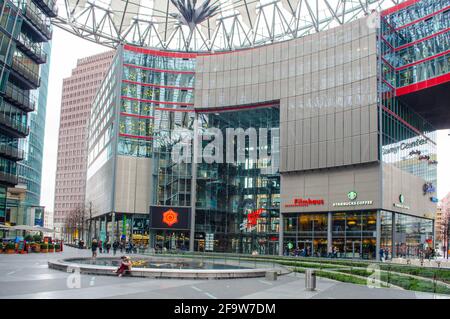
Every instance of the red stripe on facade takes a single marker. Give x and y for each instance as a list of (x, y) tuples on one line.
[(389, 84), (398, 7), (136, 136), (160, 53), (387, 42), (137, 115), (423, 85), (388, 64), (155, 102), (407, 124), (422, 40), (423, 18), (157, 70), (423, 60), (159, 86)]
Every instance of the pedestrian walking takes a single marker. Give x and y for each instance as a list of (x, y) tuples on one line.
[(115, 247), (94, 247), (108, 247)]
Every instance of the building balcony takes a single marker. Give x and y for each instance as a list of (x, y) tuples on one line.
[(35, 21), (28, 78), (19, 98), (49, 7), (12, 127), (11, 152), (8, 179), (32, 49)]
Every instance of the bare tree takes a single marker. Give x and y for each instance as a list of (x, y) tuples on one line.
[(75, 222)]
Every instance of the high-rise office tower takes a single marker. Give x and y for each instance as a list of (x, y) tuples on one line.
[(25, 27), (78, 92)]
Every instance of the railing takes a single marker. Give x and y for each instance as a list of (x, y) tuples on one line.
[(9, 178), (26, 72), (34, 47), (19, 127), (49, 6), (40, 23), (18, 97), (11, 152)]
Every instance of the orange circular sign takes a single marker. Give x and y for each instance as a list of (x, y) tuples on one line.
[(170, 217)]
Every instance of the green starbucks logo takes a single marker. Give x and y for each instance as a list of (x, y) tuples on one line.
[(352, 195), (401, 198)]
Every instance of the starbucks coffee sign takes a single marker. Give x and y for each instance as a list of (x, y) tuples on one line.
[(352, 196), (401, 199)]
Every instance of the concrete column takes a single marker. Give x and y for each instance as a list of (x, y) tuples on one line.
[(281, 236), (394, 250), (106, 226), (195, 160), (329, 233), (113, 227), (378, 238)]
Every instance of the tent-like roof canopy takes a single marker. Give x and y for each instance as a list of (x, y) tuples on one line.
[(206, 25)]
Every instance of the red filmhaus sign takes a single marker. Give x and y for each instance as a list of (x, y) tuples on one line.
[(301, 202)]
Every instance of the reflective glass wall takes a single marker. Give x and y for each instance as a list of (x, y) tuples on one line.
[(239, 202)]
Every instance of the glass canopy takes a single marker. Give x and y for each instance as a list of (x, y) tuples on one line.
[(206, 25)]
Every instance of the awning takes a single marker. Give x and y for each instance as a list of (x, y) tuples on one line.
[(5, 226), (31, 228)]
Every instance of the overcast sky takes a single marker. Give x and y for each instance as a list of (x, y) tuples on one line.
[(67, 49)]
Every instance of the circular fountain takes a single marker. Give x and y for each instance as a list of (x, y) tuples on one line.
[(166, 267)]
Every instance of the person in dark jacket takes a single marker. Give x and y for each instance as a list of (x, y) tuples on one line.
[(108, 246), (94, 247), (115, 247)]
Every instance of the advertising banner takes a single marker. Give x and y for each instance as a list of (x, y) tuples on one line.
[(38, 216), (170, 217)]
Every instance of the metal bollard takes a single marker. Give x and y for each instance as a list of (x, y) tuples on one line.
[(310, 279), (271, 275)]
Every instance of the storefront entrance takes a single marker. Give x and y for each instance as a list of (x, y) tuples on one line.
[(171, 240)]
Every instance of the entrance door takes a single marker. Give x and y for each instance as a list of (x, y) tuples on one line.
[(353, 248)]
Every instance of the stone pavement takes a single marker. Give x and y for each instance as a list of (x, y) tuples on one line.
[(28, 276)]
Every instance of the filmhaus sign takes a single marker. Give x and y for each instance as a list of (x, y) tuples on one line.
[(352, 196)]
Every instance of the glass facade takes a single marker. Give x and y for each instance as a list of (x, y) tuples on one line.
[(407, 50), (404, 235), (351, 234), (415, 42), (24, 28), (228, 194)]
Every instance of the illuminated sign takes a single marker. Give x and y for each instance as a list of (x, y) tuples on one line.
[(300, 202), (252, 220), (352, 196), (428, 188), (401, 198), (170, 217)]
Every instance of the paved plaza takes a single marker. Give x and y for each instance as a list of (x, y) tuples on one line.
[(28, 276)]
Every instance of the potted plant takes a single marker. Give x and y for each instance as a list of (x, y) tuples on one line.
[(44, 248), (28, 238), (51, 248), (57, 248), (10, 248), (37, 238), (36, 247)]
